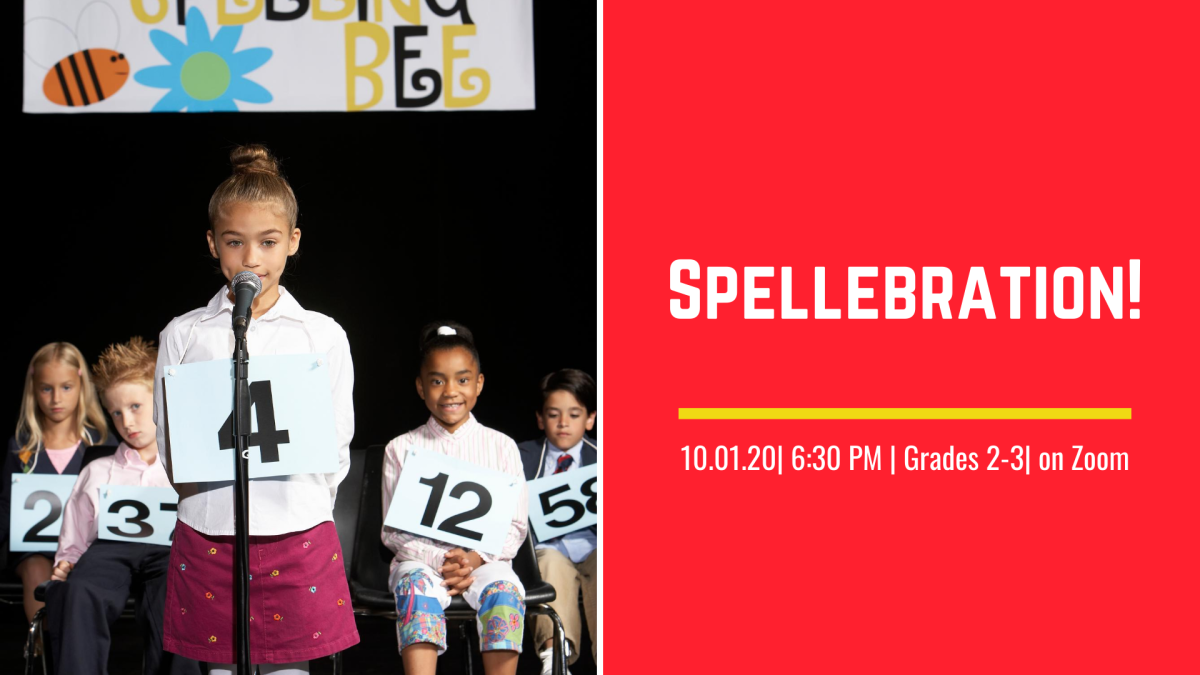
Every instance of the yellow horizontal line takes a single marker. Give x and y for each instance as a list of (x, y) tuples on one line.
[(906, 413)]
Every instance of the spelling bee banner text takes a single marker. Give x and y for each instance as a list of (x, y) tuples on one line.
[(277, 55)]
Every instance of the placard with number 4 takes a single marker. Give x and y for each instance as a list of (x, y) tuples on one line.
[(563, 502), (145, 515), (480, 509), (36, 510), (292, 427)]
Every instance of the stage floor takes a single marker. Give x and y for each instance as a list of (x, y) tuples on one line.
[(374, 655)]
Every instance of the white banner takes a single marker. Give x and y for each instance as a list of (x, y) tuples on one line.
[(277, 55)]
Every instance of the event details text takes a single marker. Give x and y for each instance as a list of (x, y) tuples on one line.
[(895, 458)]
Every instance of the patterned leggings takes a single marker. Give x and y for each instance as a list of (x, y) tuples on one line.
[(497, 596)]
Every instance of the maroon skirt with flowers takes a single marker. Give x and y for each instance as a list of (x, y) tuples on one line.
[(299, 600)]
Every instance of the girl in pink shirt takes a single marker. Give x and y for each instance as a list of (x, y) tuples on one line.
[(426, 572), (97, 574), (59, 415)]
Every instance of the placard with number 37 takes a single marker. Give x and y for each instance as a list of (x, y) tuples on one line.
[(145, 515)]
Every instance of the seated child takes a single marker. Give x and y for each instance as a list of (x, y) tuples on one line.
[(97, 574), (425, 572), (568, 562), (60, 415)]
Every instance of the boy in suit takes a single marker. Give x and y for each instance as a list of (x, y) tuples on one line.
[(568, 563)]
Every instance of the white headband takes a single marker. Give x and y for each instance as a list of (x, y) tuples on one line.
[(447, 330)]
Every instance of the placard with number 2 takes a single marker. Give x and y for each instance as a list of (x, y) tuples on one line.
[(476, 515), (37, 507)]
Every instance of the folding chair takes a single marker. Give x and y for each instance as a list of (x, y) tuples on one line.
[(345, 518), (35, 634), (369, 571)]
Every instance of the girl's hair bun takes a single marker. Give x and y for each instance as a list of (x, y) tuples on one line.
[(443, 329), (253, 158), (256, 180), (441, 335)]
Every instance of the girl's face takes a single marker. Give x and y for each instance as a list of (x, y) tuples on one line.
[(450, 382), (56, 386), (131, 405), (564, 419), (253, 237)]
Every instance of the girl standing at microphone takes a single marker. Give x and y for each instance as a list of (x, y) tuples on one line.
[(299, 599)]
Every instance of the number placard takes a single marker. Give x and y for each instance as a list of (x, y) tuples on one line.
[(562, 503), (37, 508), (292, 428), (145, 515), (453, 500)]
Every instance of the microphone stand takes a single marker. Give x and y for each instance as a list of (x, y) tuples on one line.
[(241, 493)]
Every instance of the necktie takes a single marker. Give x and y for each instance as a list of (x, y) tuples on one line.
[(564, 461)]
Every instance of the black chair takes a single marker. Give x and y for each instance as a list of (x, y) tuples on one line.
[(345, 513), (345, 516), (369, 590), (11, 591), (7, 588), (345, 509)]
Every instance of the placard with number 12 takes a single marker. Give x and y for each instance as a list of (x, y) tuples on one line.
[(420, 505)]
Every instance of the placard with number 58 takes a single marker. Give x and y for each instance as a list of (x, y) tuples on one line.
[(454, 501), (36, 510), (563, 502), (145, 515)]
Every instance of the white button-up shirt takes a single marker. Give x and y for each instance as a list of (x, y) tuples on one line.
[(280, 504), (471, 442), (80, 522)]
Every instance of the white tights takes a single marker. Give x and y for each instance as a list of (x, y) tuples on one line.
[(297, 668)]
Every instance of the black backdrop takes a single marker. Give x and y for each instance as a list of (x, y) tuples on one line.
[(407, 217)]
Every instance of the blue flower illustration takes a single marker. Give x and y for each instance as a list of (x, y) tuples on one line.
[(205, 74)]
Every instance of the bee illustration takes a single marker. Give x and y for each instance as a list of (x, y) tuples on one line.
[(91, 71)]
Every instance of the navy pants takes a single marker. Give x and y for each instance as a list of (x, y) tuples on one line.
[(81, 610)]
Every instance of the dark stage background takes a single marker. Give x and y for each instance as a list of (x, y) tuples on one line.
[(484, 217)]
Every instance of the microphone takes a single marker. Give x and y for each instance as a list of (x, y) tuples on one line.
[(246, 286)]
